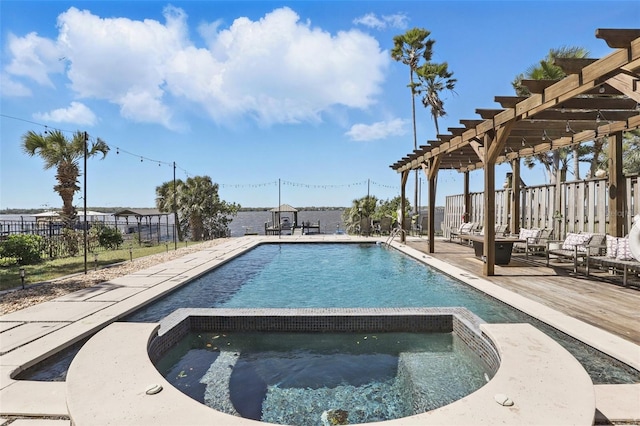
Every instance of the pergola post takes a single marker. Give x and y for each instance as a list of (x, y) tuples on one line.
[(618, 223), (431, 172), (489, 210), (466, 195), (514, 213), (494, 142), (403, 205)]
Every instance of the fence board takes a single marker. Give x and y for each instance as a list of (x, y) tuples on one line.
[(584, 206)]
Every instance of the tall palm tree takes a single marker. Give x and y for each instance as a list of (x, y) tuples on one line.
[(411, 48), (63, 154), (434, 78), (548, 70)]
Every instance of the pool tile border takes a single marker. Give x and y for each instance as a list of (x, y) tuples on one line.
[(460, 321)]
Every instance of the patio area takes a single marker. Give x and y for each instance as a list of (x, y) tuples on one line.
[(599, 300)]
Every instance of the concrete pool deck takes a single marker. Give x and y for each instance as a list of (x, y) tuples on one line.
[(32, 334)]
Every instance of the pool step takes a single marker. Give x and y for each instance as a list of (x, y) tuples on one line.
[(217, 379), (427, 378)]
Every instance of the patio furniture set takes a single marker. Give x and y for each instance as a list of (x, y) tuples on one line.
[(591, 250)]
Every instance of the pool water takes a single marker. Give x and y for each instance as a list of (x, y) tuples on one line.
[(344, 275), (293, 378), (356, 275), (325, 276)]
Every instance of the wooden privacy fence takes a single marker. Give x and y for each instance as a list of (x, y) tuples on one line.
[(584, 206)]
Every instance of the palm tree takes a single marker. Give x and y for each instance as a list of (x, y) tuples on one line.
[(360, 208), (166, 195), (548, 70), (631, 157), (63, 154), (202, 214), (434, 78), (411, 48)]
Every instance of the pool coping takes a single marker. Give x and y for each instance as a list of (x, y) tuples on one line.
[(553, 389), (30, 398)]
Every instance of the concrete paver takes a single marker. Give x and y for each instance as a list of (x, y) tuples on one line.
[(26, 333), (41, 422), (4, 326), (34, 399), (56, 311)]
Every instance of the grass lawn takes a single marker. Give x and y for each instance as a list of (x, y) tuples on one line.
[(56, 268)]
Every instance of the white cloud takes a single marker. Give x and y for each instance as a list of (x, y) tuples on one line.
[(379, 130), (9, 87), (76, 113), (34, 57), (397, 20), (272, 70)]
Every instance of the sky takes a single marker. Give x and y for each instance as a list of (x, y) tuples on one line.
[(296, 102)]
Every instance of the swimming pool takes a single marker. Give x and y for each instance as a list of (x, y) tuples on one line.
[(415, 284), (355, 275)]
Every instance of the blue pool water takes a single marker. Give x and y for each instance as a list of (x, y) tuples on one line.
[(355, 275), (292, 378)]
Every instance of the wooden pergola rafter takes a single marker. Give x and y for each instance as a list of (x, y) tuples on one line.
[(598, 97)]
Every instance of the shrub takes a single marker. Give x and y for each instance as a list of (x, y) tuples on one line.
[(6, 262), (110, 238), (71, 240), (24, 247)]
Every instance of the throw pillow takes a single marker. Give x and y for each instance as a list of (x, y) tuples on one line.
[(573, 240), (612, 247), (624, 251)]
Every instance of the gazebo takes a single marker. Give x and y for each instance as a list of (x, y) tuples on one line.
[(146, 215), (277, 219), (598, 97)]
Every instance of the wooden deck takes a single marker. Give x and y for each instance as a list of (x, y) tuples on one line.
[(607, 305)]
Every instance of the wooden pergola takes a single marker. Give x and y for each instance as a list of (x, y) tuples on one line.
[(598, 97)]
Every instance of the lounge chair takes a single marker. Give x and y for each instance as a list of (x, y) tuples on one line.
[(365, 226), (576, 246), (618, 257), (465, 228), (500, 231), (535, 241), (385, 226)]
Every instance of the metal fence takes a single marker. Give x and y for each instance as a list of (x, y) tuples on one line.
[(57, 243)]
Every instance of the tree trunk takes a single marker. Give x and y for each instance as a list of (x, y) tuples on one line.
[(415, 133)]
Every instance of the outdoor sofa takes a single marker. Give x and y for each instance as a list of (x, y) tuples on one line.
[(618, 257), (576, 246)]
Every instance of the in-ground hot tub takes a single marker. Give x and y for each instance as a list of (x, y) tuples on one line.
[(109, 379)]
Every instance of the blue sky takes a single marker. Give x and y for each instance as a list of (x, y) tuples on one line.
[(253, 93)]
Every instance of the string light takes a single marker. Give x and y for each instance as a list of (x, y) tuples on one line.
[(600, 117), (47, 130), (568, 128)]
